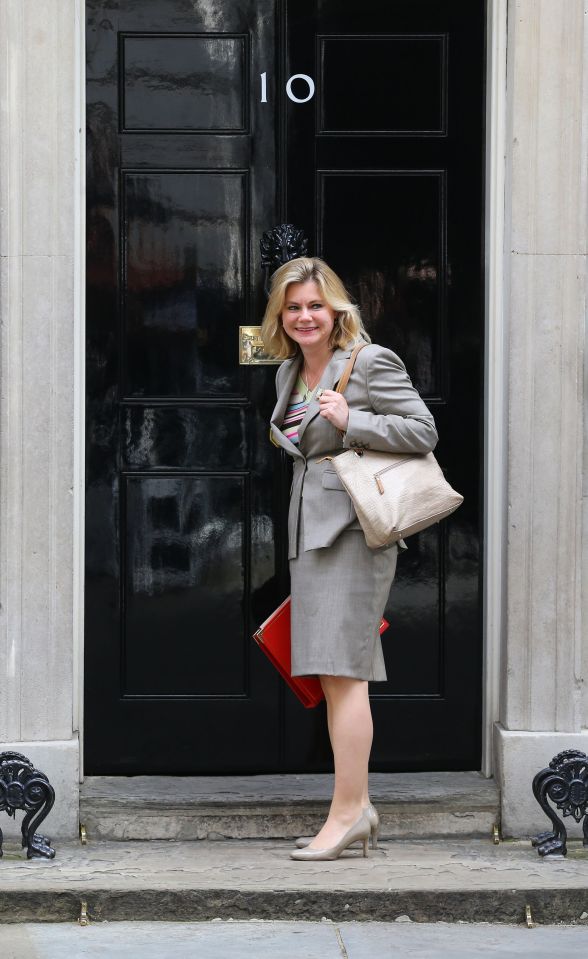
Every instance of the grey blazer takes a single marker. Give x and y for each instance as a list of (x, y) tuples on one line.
[(385, 413)]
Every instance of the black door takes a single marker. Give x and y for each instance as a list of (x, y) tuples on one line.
[(377, 152)]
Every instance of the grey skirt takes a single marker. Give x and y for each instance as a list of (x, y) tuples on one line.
[(338, 598)]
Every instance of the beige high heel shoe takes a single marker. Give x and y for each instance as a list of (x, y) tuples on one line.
[(373, 819), (360, 830)]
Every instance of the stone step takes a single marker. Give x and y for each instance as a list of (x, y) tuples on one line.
[(410, 805), (426, 881)]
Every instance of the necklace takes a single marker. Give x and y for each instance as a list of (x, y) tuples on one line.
[(309, 391)]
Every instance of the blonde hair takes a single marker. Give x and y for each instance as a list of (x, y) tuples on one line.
[(348, 328)]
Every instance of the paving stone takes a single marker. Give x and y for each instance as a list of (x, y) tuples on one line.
[(291, 940), (467, 941), (210, 940)]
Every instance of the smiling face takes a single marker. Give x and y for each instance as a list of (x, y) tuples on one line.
[(307, 318)]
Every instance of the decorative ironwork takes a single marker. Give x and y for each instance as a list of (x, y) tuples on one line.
[(278, 246), (24, 787), (565, 782)]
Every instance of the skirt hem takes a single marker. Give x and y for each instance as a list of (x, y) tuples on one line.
[(339, 671)]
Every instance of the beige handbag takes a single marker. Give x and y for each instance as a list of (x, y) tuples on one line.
[(394, 494)]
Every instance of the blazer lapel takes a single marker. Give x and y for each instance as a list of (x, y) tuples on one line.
[(332, 372), (277, 417)]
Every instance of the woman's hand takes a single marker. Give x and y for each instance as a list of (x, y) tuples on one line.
[(333, 406)]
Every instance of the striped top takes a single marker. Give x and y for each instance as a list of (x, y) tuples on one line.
[(296, 411)]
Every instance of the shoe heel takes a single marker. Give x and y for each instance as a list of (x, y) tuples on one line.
[(374, 834), (365, 847)]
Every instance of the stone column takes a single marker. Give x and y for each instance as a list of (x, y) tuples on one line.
[(543, 702), (37, 152)]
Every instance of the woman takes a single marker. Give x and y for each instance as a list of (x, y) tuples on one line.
[(339, 586)]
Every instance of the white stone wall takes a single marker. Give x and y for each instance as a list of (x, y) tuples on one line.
[(37, 151), (543, 702), (584, 606)]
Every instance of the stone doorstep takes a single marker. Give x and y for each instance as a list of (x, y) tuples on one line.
[(427, 881), (411, 805)]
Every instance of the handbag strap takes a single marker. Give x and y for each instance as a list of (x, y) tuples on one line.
[(344, 380)]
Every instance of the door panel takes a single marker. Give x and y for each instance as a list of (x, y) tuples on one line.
[(392, 194), (383, 95), (184, 551), (181, 544), (184, 282), (186, 498), (398, 221), (209, 71)]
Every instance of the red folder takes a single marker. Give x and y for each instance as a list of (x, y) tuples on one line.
[(273, 637)]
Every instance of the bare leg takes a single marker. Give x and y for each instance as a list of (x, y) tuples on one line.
[(351, 732), (365, 798)]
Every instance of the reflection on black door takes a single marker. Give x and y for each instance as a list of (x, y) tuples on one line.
[(186, 498)]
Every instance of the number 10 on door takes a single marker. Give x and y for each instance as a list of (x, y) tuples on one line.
[(296, 76)]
